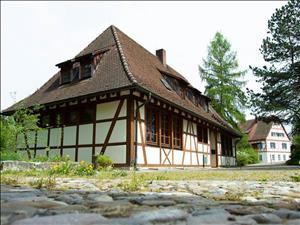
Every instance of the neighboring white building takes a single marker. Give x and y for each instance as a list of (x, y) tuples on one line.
[(270, 139)]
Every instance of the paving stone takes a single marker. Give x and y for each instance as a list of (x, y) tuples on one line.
[(246, 210), (166, 216), (113, 209), (65, 219), (100, 197), (266, 218), (287, 214), (155, 202), (71, 199)]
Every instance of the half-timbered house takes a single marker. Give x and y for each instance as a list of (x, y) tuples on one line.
[(117, 98)]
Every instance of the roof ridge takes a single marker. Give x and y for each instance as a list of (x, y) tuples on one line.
[(122, 55)]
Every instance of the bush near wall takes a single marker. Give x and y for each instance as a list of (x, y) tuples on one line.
[(245, 153)]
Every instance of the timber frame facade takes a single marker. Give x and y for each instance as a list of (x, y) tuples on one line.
[(136, 125)]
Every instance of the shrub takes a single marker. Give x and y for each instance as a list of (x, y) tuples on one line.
[(10, 155), (61, 168), (103, 161), (84, 169), (245, 153)]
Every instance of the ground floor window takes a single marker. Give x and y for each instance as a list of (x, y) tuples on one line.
[(165, 129), (279, 157), (273, 157), (152, 126), (260, 157), (226, 145), (177, 132), (167, 123), (284, 158), (202, 134)]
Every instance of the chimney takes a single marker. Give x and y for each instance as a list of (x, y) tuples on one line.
[(161, 55)]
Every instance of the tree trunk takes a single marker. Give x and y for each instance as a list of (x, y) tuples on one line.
[(27, 145)]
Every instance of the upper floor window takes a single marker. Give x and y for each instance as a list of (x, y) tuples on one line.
[(152, 125), (87, 114), (65, 77), (76, 72), (284, 146), (86, 71), (272, 145)]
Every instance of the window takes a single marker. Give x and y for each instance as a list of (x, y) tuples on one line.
[(45, 121), (272, 145), (284, 158), (284, 146), (87, 71), (226, 145), (165, 129), (273, 157), (260, 157), (87, 114), (152, 125), (279, 157), (177, 132), (71, 116), (65, 77), (75, 73), (202, 134), (190, 95), (166, 84)]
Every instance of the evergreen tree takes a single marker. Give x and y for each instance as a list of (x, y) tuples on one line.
[(222, 76), (280, 93)]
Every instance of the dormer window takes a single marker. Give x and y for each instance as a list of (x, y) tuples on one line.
[(86, 71), (65, 77), (76, 71)]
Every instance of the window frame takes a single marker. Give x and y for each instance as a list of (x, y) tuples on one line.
[(165, 127), (150, 111), (179, 123)]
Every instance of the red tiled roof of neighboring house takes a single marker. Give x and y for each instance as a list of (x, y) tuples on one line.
[(256, 129), (124, 64)]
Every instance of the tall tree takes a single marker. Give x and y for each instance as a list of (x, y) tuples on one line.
[(223, 79), (280, 79)]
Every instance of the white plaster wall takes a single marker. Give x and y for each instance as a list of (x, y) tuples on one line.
[(70, 152), (24, 153), (267, 157), (187, 159), (142, 110), (86, 134), (41, 152), (31, 139), (55, 136), (107, 110), (227, 161), (69, 135), (153, 154), (54, 152), (118, 133), (42, 138), (143, 126), (20, 141), (194, 159), (178, 157), (85, 154), (116, 153)]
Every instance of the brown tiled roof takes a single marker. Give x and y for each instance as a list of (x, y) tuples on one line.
[(125, 64), (256, 129)]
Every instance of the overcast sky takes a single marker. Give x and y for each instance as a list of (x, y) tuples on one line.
[(37, 35)]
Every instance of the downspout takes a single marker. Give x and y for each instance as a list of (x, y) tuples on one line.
[(136, 130)]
